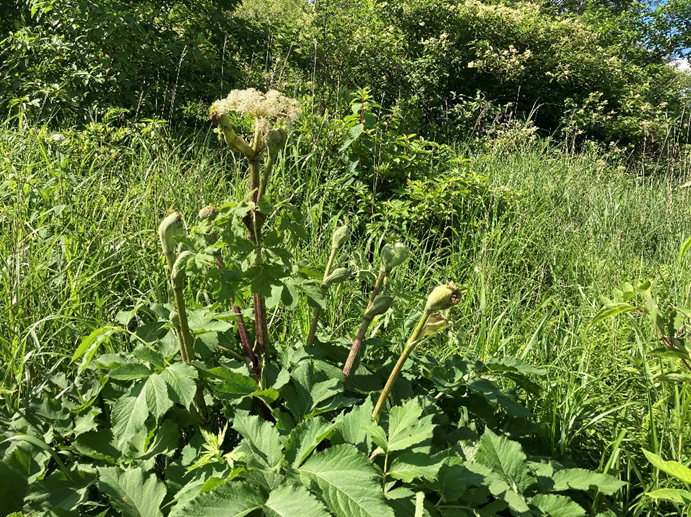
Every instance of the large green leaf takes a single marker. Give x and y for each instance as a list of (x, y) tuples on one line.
[(129, 414), (261, 437), (414, 466), (505, 457), (234, 499), (346, 481), (581, 479), (157, 399), (180, 379), (557, 505), (132, 492), (673, 468), (293, 501), (406, 428), (305, 438), (308, 388)]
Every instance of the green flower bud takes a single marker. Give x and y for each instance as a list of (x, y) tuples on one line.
[(208, 212), (178, 275), (435, 324), (340, 236), (392, 256), (443, 297), (275, 140), (380, 305), (170, 228), (338, 276), (175, 318)]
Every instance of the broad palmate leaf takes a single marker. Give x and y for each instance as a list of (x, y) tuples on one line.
[(346, 481), (132, 492)]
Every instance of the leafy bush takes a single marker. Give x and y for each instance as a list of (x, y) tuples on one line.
[(76, 59), (589, 76)]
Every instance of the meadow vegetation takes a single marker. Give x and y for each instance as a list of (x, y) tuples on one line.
[(205, 365)]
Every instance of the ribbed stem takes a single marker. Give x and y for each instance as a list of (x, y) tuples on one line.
[(318, 310), (377, 287), (186, 343), (187, 352), (412, 341), (356, 346)]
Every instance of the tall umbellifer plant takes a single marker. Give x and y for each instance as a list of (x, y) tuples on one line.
[(170, 229), (270, 111), (431, 322), (391, 256)]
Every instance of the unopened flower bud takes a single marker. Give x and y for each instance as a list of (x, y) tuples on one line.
[(174, 318), (443, 297), (168, 230), (380, 305), (275, 141), (392, 256), (435, 324), (218, 118), (337, 276), (178, 275), (340, 236), (208, 212)]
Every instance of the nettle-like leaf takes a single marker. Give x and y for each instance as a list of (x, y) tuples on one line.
[(353, 425), (346, 481), (507, 462), (132, 492), (261, 438), (309, 390), (129, 414), (405, 428), (180, 378), (157, 398), (305, 438), (415, 465)]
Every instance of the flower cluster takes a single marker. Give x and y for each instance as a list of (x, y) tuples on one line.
[(271, 105)]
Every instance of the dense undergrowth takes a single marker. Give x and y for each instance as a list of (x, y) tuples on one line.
[(536, 234)]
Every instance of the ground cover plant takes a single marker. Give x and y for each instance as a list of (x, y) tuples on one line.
[(202, 413)]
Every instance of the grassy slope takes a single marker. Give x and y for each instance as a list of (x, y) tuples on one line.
[(78, 243)]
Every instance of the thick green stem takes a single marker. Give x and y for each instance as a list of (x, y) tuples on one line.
[(317, 310), (268, 167), (412, 341), (377, 286), (186, 343), (187, 351), (356, 346)]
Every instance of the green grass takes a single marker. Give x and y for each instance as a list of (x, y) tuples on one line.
[(78, 244)]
